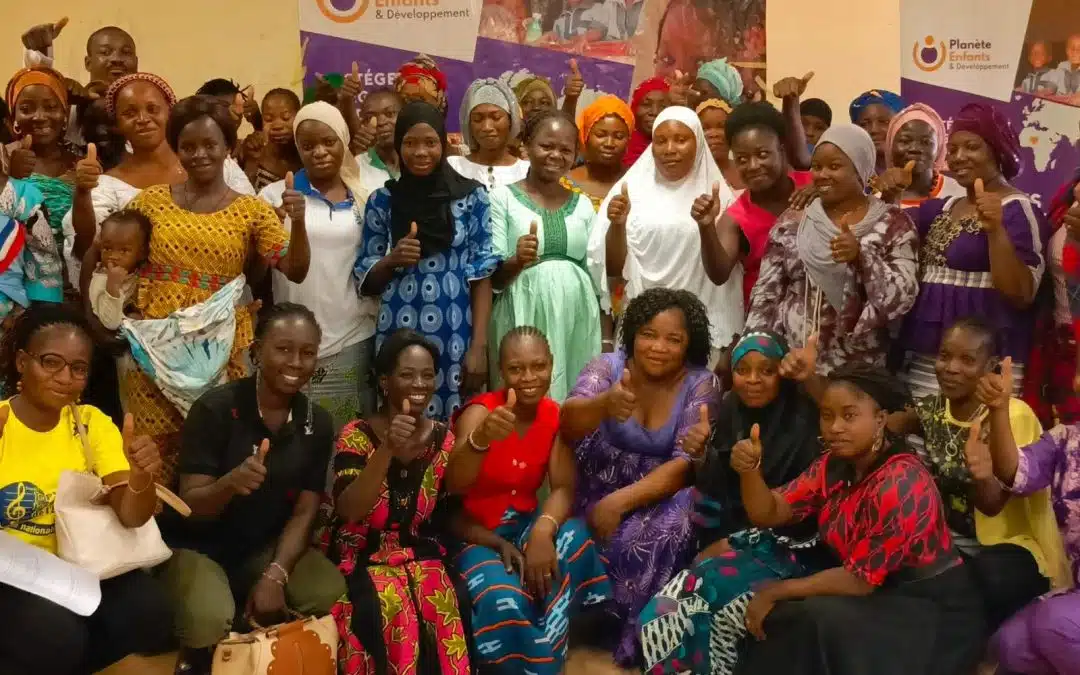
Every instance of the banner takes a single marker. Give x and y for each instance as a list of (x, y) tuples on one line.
[(616, 42), (1021, 56)]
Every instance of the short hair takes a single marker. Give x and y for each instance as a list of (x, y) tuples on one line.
[(981, 328), (887, 390), (815, 107), (194, 108), (281, 92), (107, 29), (385, 91), (146, 227), (755, 115), (518, 332), (644, 307), (398, 341), (281, 311), (35, 319), (219, 86), (534, 124)]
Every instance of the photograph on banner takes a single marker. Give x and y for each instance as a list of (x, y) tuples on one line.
[(1050, 65)]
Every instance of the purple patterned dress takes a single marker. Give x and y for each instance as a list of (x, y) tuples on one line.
[(654, 542)]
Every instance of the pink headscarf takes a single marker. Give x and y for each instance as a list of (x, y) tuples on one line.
[(924, 113)]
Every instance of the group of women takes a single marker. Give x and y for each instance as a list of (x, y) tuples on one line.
[(871, 485)]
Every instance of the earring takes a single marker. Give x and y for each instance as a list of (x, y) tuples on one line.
[(15, 128), (18, 386)]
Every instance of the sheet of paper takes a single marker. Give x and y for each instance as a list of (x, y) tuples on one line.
[(36, 571)]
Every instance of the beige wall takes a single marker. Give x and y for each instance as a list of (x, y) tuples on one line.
[(851, 46)]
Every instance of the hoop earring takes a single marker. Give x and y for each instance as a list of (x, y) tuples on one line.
[(15, 129)]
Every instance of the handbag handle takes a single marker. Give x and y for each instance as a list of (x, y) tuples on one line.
[(166, 495)]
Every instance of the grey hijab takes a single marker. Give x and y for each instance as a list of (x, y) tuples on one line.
[(817, 230), (495, 92)]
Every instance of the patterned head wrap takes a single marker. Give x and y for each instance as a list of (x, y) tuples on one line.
[(727, 81), (713, 103), (28, 77), (113, 92), (422, 71), (493, 92), (923, 113), (532, 83), (990, 125), (601, 108), (767, 343), (875, 97)]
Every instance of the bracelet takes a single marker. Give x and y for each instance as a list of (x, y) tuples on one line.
[(544, 516), (472, 443), (608, 342), (139, 492), (267, 575), (279, 568)]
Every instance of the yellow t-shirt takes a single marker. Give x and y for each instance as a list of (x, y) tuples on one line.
[(31, 463)]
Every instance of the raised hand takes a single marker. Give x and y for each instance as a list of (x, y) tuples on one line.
[(527, 247), (406, 252), (22, 161), (293, 202), (746, 454), (41, 37), (679, 88), (977, 454), (621, 401), (399, 436), (694, 440), (251, 104), (706, 208), (499, 423), (989, 206), (792, 86), (352, 84), (88, 170), (800, 362), (994, 390), (249, 476), (142, 452), (845, 246), (618, 209), (893, 181), (575, 84)]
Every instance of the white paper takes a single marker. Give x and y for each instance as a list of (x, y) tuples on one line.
[(37, 571)]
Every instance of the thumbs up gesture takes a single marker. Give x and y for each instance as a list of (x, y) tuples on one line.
[(88, 170), (989, 206), (706, 208), (294, 203), (679, 88), (39, 38), (994, 390), (801, 362), (499, 423), (22, 161), (406, 252), (141, 451), (620, 399), (618, 208), (977, 454), (792, 86), (250, 474), (401, 433), (892, 182), (575, 84), (694, 440), (251, 104), (746, 454), (352, 84), (527, 246), (845, 246), (366, 135)]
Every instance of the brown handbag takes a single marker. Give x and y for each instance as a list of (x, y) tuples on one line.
[(301, 647)]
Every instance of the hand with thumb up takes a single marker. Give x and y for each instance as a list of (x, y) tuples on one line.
[(528, 246), (293, 201), (845, 246), (22, 161), (800, 362), (994, 389), (620, 401), (366, 134), (249, 476), (792, 86), (575, 84), (618, 208), (499, 423), (406, 252), (351, 84), (401, 433), (977, 454), (989, 206), (706, 208), (746, 455), (88, 170), (142, 454), (892, 182), (694, 440)]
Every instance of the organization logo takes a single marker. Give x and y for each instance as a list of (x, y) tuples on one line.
[(929, 56), (331, 10)]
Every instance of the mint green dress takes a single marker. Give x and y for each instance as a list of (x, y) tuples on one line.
[(556, 294)]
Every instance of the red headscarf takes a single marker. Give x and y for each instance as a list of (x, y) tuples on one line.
[(639, 141)]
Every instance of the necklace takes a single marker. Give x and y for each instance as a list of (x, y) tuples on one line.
[(189, 200)]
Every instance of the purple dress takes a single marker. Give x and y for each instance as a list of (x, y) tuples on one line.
[(1044, 637), (954, 275), (654, 542)]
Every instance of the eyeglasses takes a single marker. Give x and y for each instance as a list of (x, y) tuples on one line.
[(54, 363)]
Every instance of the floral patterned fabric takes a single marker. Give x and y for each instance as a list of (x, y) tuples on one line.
[(401, 615), (880, 288)]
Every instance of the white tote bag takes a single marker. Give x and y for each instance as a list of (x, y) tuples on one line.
[(89, 533)]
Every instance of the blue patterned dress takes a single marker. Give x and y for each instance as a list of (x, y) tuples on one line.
[(433, 297)]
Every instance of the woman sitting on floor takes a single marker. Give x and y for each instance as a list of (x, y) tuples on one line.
[(530, 568)]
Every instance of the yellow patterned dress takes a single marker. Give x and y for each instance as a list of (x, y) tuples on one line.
[(192, 255)]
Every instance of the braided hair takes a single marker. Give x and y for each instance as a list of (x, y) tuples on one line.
[(23, 330), (284, 310), (890, 394), (518, 332), (534, 124)]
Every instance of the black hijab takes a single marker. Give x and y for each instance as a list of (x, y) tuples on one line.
[(425, 200)]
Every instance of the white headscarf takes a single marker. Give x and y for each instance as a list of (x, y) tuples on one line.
[(320, 111), (663, 244)]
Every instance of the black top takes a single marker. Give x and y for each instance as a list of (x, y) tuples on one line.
[(224, 428)]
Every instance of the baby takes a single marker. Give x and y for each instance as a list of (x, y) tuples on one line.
[(124, 243)]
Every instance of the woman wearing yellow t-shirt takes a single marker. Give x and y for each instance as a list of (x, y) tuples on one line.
[(47, 356)]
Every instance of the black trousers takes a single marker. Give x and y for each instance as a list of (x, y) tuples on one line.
[(42, 638), (1008, 578)]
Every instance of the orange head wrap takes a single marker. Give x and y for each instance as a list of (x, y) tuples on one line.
[(36, 75), (601, 108)]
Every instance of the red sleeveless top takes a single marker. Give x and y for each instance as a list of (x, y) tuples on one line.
[(514, 468)]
